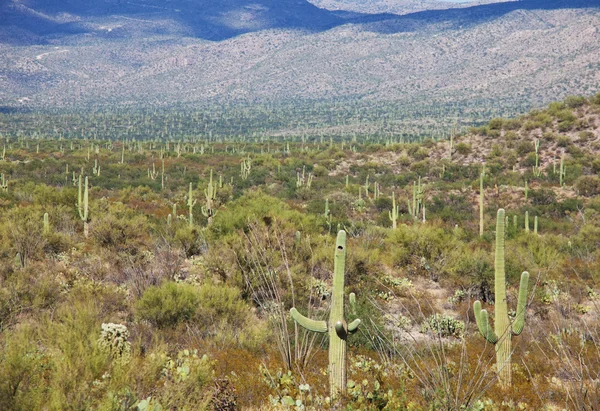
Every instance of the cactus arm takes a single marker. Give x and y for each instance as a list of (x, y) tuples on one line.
[(311, 325), (483, 323), (519, 322), (352, 301), (353, 326)]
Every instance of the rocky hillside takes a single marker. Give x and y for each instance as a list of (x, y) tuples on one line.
[(503, 56)]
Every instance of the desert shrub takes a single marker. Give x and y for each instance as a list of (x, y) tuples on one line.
[(420, 167), (421, 154), (524, 148), (563, 141), (24, 230), (190, 240), (496, 124), (463, 149), (574, 101), (119, 232), (588, 185), (422, 247), (256, 205), (529, 160), (513, 124), (444, 326), (543, 196), (169, 304), (184, 383), (575, 151)]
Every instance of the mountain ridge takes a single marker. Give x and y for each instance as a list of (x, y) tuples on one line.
[(514, 52)]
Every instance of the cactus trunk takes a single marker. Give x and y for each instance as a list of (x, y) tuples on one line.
[(503, 329), (502, 324), (337, 327)]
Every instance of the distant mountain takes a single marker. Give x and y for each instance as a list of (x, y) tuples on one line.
[(150, 52)]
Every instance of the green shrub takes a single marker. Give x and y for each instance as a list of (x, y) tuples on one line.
[(524, 148), (463, 149), (168, 304), (588, 185), (496, 124), (444, 326), (575, 101)]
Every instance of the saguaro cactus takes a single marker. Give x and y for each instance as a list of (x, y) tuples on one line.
[(210, 193), (82, 206), (394, 213), (336, 326), (481, 176), (191, 203), (46, 224), (503, 328)]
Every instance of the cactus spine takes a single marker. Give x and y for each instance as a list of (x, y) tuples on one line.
[(503, 329), (83, 206), (394, 213), (336, 326)]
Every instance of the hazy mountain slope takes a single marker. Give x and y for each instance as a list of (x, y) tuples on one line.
[(395, 6), (529, 51)]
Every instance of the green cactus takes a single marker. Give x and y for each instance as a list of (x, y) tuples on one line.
[(526, 191), (210, 193), (537, 172), (83, 206), (481, 176), (503, 329), (246, 166), (535, 224), (4, 183), (46, 224), (394, 213), (191, 203), (563, 171), (336, 326), (526, 221), (417, 201)]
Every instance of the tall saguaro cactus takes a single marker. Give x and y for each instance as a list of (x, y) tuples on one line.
[(503, 331), (481, 221), (210, 193), (337, 326), (394, 213), (83, 206), (191, 203)]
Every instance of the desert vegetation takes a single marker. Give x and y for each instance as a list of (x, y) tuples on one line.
[(148, 263)]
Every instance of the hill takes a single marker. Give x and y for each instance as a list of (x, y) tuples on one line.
[(505, 56)]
